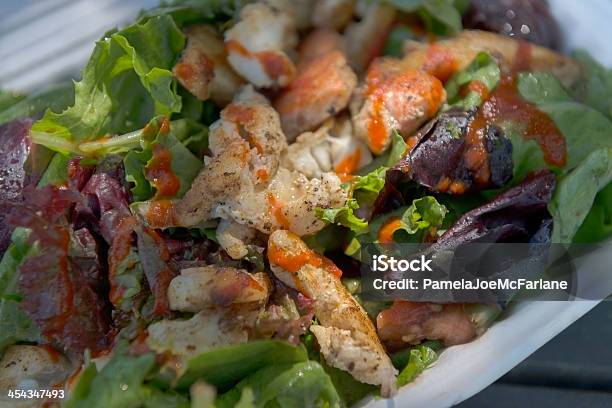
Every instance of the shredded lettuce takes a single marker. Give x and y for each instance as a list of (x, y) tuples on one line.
[(364, 190), (126, 81), (482, 69), (424, 216), (420, 357)]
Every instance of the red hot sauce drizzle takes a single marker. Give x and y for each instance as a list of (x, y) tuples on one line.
[(506, 104), (159, 169)]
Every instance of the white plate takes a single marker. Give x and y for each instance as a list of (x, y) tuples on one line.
[(462, 371)]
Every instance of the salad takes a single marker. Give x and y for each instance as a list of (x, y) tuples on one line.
[(184, 226)]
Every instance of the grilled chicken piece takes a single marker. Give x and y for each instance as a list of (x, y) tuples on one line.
[(246, 143), (32, 367), (332, 147), (287, 202), (243, 182), (322, 88), (317, 43), (365, 39), (203, 69), (407, 323), (257, 46), (347, 337), (394, 98), (215, 286), (234, 238), (206, 330), (227, 302), (446, 57)]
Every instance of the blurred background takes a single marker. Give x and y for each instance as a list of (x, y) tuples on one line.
[(46, 41), (42, 41)]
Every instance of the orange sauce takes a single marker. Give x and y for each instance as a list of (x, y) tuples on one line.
[(440, 63), (348, 165), (273, 63), (427, 89), (457, 187), (54, 355), (164, 126), (159, 213), (255, 143), (276, 208), (238, 113), (235, 46), (262, 174), (522, 60), (377, 131), (385, 233), (293, 262), (184, 71), (506, 103), (477, 87), (443, 184), (159, 171)]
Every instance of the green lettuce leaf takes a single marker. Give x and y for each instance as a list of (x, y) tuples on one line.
[(57, 97), (119, 384), (125, 82), (575, 193), (303, 384), (597, 89), (185, 139), (597, 225), (364, 191), (424, 216), (226, 366), (442, 17), (185, 12), (483, 69), (397, 151), (421, 357), (128, 280), (585, 129), (394, 45), (349, 389), (184, 164), (344, 216), (155, 398), (15, 325)]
